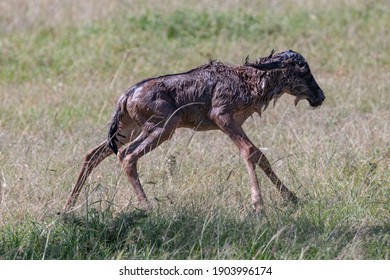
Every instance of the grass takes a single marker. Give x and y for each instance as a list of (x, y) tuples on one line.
[(61, 74)]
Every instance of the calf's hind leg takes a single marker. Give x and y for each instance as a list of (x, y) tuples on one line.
[(91, 160), (145, 143), (129, 130)]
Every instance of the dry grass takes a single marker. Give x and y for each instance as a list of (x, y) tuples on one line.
[(62, 72)]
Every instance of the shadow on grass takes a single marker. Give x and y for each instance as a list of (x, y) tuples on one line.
[(134, 235), (186, 234), (180, 235)]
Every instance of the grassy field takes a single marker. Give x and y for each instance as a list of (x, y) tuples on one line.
[(64, 64)]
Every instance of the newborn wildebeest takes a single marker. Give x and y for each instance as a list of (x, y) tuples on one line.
[(212, 96)]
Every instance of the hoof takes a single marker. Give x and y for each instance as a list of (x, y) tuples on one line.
[(258, 206)]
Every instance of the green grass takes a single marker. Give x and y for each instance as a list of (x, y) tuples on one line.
[(61, 73), (193, 233)]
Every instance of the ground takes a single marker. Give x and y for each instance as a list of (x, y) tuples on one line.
[(63, 66)]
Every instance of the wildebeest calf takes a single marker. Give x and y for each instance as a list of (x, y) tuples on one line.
[(210, 97)]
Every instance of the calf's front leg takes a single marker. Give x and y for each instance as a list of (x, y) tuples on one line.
[(253, 156)]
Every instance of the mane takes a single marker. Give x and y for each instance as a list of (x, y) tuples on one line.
[(289, 56)]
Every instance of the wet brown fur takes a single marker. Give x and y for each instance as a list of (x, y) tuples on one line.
[(214, 96)]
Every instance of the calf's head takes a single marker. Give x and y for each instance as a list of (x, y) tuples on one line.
[(295, 76)]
